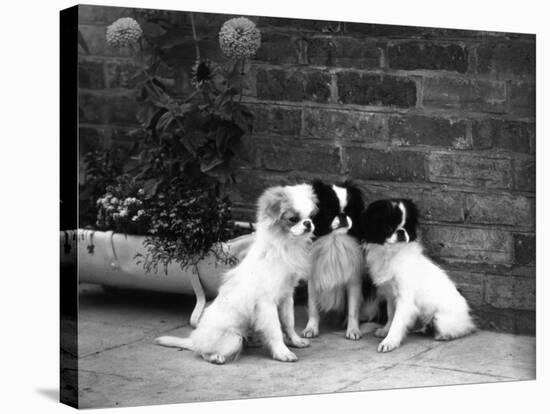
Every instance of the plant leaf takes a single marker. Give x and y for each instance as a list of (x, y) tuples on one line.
[(150, 187)]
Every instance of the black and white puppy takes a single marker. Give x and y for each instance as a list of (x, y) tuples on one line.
[(337, 259), (414, 287)]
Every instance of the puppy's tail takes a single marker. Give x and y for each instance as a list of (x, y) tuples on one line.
[(370, 309), (175, 342)]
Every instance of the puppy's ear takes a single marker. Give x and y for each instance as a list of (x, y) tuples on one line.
[(411, 222), (271, 204)]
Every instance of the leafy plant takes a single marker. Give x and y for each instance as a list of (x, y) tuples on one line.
[(186, 227), (123, 208), (102, 167), (180, 167)]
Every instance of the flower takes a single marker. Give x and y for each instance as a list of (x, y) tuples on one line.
[(239, 38), (204, 71), (201, 71), (123, 32)]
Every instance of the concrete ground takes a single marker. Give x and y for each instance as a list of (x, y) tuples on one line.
[(120, 366)]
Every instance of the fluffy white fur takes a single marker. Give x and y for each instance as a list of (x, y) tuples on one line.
[(337, 266), (257, 295), (415, 288)]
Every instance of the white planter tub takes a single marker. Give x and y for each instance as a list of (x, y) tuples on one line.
[(109, 259)]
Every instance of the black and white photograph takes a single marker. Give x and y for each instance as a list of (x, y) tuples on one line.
[(256, 206)]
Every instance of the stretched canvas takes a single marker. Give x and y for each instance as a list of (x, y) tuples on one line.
[(174, 123)]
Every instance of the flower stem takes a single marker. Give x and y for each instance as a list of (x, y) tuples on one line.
[(197, 50)]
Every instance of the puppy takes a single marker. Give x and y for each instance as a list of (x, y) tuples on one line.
[(337, 259), (413, 286), (256, 295)]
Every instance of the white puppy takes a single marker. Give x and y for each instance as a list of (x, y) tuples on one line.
[(257, 295), (414, 287)]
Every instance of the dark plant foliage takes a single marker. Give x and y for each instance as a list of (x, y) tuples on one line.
[(102, 167), (186, 224), (181, 161)]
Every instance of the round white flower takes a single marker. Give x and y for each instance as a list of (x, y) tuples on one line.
[(239, 38), (123, 32)]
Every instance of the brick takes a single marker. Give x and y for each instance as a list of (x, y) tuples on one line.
[(477, 95), (503, 209), (459, 169), (214, 19), (289, 155), (505, 60), (344, 125), (107, 109), (343, 51), (502, 269), (428, 55), (102, 137), (379, 90), (384, 29), (424, 130), (185, 49), (300, 24), (250, 184), (100, 14), (279, 48), (510, 292), (91, 75), (433, 203), (524, 175), (470, 285), (470, 244), (439, 204), (513, 321), (370, 164), (400, 32), (89, 139), (523, 98), (513, 136), (293, 85), (119, 74), (525, 249), (277, 120), (94, 36)]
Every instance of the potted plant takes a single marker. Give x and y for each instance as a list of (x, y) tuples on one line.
[(162, 216)]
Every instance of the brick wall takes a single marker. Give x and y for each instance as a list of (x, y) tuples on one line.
[(445, 117)]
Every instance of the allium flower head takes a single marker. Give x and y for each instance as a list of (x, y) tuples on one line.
[(123, 32), (239, 38)]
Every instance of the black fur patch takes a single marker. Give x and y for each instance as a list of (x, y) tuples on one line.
[(381, 219)]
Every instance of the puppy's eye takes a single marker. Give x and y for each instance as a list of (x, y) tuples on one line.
[(294, 219)]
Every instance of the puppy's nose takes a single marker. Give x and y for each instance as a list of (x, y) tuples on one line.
[(307, 225), (401, 235)]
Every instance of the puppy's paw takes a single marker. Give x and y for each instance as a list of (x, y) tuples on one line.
[(353, 333), (442, 337), (298, 342), (215, 359), (381, 332), (310, 332), (388, 345), (285, 355)]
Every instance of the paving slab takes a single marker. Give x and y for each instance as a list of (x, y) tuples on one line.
[(120, 365)]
